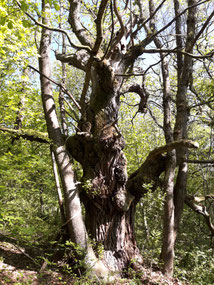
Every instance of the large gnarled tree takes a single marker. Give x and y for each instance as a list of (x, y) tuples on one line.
[(121, 33)]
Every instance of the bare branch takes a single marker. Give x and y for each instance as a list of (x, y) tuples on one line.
[(179, 40), (180, 14), (202, 103), (203, 28), (71, 108), (74, 20), (154, 119), (199, 161), (148, 19), (55, 30), (78, 60), (112, 31), (208, 55), (122, 30), (139, 49), (60, 85), (136, 88), (30, 135), (99, 27)]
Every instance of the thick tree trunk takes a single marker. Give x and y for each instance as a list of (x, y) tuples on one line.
[(115, 231), (110, 208)]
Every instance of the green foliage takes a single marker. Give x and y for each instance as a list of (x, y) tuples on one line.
[(15, 39), (140, 132), (28, 201), (76, 266), (195, 254), (24, 6), (149, 215)]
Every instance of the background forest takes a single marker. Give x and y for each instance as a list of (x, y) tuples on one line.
[(29, 207)]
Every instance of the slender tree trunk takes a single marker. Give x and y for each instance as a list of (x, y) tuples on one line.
[(169, 236), (180, 129), (58, 188), (73, 210), (175, 194), (61, 94), (168, 246)]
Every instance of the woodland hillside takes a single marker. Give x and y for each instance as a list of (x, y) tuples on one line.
[(106, 131)]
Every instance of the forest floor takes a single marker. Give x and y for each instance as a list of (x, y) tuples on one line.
[(21, 265)]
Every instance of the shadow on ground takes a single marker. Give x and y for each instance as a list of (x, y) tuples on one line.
[(13, 253), (20, 264)]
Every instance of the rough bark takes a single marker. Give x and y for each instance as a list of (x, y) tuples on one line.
[(98, 147)]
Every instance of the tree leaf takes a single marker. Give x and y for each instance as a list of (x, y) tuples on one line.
[(10, 25), (26, 23), (2, 21), (24, 6), (56, 6)]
